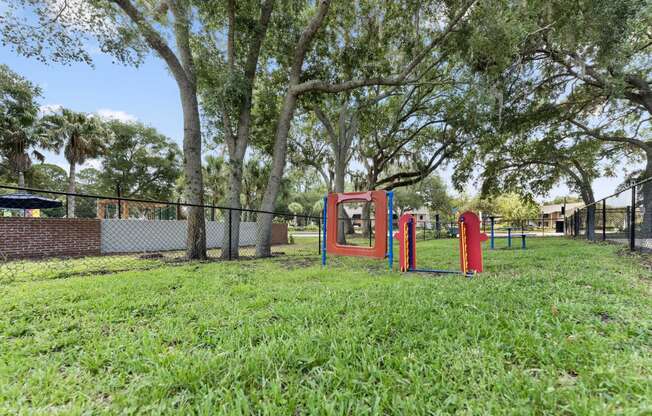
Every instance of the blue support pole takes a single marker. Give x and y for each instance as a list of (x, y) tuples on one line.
[(390, 227), (411, 248), (323, 241), (523, 241), (492, 244), (509, 237)]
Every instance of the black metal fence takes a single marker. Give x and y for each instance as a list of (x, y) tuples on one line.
[(624, 217), (360, 231), (88, 234)]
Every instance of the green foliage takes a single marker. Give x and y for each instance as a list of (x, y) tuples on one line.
[(563, 199), (46, 176), (142, 162), (513, 208), (20, 137), (295, 208), (61, 31), (254, 180), (318, 207), (431, 193), (544, 65), (215, 179), (81, 136)]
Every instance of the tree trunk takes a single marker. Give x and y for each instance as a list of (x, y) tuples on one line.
[(237, 148), (366, 209), (646, 192), (366, 219), (181, 65), (196, 233), (21, 179), (264, 221), (590, 222), (231, 248), (71, 190), (589, 199)]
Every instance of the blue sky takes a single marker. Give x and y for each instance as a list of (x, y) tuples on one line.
[(147, 93)]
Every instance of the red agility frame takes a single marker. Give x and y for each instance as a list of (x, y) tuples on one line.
[(379, 199), (471, 242)]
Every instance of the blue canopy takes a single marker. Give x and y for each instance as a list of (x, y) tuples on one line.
[(24, 200)]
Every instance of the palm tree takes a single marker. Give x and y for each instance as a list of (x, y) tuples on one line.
[(82, 137), (19, 133), (15, 144), (215, 178)]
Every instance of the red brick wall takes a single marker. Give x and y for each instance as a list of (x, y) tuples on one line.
[(48, 237), (279, 234)]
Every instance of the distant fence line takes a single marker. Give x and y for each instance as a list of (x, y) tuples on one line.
[(113, 232), (626, 221)]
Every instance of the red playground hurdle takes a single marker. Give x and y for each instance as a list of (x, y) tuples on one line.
[(379, 249), (470, 245), (469, 225)]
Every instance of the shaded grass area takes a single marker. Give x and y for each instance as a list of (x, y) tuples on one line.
[(564, 327), (61, 268)]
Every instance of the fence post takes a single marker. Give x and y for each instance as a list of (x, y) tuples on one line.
[(370, 232), (319, 235), (632, 221), (230, 233), (390, 237), (509, 237), (119, 202), (604, 219), (588, 223), (324, 224), (576, 221), (212, 213), (437, 226), (491, 222)]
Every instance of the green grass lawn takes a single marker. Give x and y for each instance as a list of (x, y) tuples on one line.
[(562, 328)]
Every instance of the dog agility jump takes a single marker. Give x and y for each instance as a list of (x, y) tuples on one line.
[(470, 237)]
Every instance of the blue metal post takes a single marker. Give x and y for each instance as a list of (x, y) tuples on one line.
[(411, 229), (523, 241), (390, 226), (492, 245), (323, 241), (509, 237)]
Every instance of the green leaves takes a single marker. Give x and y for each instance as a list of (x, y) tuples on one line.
[(19, 133), (142, 161), (61, 31)]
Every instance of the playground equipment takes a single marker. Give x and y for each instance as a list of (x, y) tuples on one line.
[(383, 206), (493, 236), (469, 226), (470, 245)]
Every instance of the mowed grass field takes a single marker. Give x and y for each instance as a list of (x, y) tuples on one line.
[(561, 328)]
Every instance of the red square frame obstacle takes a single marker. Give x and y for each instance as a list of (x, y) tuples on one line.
[(379, 199)]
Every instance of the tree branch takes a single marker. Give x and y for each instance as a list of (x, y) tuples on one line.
[(154, 40), (398, 79)]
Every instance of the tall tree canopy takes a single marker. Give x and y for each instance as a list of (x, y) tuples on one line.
[(20, 137), (81, 136), (142, 163)]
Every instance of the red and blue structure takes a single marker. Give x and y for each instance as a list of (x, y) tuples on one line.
[(470, 236), (470, 245)]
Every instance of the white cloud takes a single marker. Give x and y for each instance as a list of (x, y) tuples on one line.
[(48, 109), (119, 115)]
